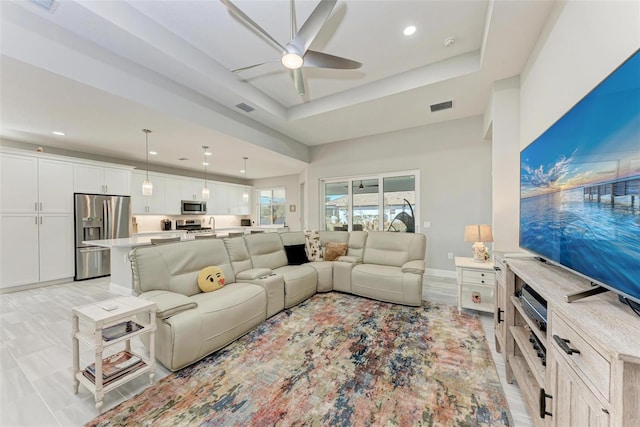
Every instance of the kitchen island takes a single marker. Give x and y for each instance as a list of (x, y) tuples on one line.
[(121, 278)]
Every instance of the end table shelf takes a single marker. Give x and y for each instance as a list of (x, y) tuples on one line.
[(96, 318)]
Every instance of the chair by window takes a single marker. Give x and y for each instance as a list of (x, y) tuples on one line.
[(163, 241)]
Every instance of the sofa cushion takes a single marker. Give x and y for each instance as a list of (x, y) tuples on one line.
[(394, 249), (313, 246), (210, 278), (266, 250), (300, 283), (296, 254), (169, 303), (238, 254), (386, 283), (333, 251), (175, 267)]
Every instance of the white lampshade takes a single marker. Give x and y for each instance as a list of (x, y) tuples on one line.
[(205, 193), (478, 233), (147, 188), (245, 196)]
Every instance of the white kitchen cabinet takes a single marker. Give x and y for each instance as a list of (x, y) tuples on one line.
[(154, 204), (55, 186), (18, 250), (229, 199), (178, 189), (18, 184), (35, 248), (37, 219), (56, 247), (95, 179)]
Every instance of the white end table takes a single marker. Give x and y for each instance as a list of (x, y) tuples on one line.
[(97, 319), (476, 284)]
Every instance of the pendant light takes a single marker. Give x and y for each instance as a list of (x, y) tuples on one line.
[(245, 195), (147, 185), (205, 189)]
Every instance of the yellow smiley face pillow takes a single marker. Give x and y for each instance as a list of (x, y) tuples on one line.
[(210, 279)]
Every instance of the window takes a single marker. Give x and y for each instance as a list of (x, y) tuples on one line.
[(271, 206), (386, 202)]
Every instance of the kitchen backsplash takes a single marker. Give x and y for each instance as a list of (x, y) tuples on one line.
[(147, 223)]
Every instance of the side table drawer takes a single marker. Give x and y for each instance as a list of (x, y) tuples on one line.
[(477, 297), (478, 277)]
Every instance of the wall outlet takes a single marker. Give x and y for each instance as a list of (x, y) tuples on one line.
[(427, 224), (449, 255)]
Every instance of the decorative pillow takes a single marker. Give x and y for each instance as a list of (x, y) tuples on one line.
[(296, 254), (211, 279), (333, 251), (312, 245)]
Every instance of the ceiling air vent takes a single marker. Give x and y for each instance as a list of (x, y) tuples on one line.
[(441, 106), (244, 107), (50, 5)]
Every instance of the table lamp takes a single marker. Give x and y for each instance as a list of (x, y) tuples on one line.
[(478, 233)]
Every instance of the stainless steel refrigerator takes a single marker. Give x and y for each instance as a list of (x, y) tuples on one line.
[(98, 217)]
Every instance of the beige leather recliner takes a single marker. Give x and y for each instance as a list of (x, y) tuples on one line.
[(391, 270)]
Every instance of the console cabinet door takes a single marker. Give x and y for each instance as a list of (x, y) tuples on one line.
[(574, 405), (18, 250), (56, 247)]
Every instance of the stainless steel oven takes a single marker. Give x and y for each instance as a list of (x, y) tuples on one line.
[(193, 207)]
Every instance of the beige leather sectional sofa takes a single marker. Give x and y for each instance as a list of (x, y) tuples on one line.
[(259, 282)]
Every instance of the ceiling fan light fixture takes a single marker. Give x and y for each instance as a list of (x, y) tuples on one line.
[(292, 61)]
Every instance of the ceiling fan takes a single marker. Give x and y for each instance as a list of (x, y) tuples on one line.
[(296, 53)]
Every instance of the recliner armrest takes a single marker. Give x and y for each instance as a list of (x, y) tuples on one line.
[(350, 259), (253, 273), (169, 303), (415, 267)]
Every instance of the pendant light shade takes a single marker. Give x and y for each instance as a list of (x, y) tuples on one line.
[(205, 189), (245, 195), (147, 185)]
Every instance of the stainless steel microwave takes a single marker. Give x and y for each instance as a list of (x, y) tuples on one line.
[(193, 207)]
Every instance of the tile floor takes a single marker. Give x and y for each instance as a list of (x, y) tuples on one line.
[(35, 355)]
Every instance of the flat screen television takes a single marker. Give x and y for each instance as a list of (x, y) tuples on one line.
[(579, 182)]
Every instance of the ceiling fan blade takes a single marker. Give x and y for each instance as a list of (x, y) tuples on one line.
[(240, 14), (312, 25), (324, 60), (248, 67), (298, 82)]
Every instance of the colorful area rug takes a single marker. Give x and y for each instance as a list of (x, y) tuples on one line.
[(335, 359)]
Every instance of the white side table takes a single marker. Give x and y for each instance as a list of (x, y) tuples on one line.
[(97, 319), (476, 284)]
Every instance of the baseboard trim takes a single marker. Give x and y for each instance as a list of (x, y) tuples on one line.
[(119, 289), (36, 285)]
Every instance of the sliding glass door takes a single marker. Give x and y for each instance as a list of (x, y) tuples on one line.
[(386, 202)]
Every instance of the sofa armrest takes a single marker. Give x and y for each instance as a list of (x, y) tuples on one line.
[(253, 273), (169, 303), (350, 259), (415, 267)]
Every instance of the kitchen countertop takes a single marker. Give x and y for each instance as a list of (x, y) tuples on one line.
[(144, 238)]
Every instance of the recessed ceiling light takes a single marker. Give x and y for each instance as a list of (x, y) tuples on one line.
[(409, 30), (449, 41), (57, 132), (153, 153)]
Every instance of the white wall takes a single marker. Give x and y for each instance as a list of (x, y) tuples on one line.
[(583, 42), (291, 184), (505, 113), (455, 178)]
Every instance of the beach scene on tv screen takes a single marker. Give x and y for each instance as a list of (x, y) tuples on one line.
[(579, 184)]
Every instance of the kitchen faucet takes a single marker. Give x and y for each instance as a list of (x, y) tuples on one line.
[(212, 220)]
